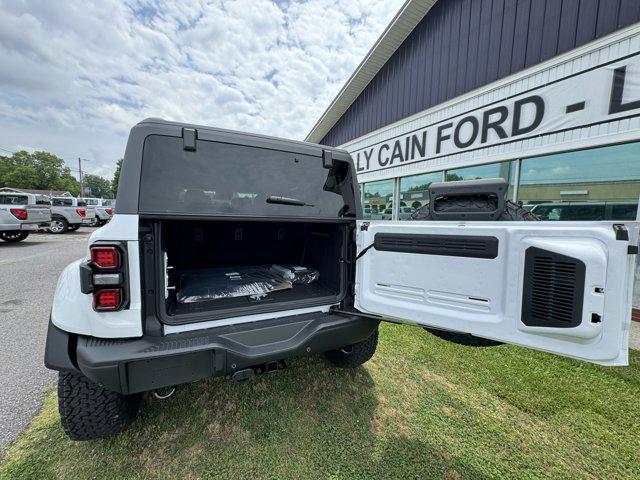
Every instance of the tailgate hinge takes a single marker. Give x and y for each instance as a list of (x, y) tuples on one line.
[(621, 231)]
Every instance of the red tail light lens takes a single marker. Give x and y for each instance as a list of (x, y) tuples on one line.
[(109, 211), (81, 211), (19, 214), (107, 299), (107, 258)]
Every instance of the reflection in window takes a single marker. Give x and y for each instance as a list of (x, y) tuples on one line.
[(377, 200), (596, 184), (414, 193)]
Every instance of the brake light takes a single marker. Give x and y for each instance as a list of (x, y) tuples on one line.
[(81, 211), (107, 299), (19, 213), (109, 211), (107, 258)]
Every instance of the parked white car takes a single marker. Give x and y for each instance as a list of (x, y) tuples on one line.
[(21, 214)]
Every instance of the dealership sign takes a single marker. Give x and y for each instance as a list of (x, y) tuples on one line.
[(592, 97)]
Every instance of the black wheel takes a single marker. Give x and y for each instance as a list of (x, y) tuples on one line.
[(95, 222), (58, 225), (89, 411), (353, 356), (13, 237), (73, 228)]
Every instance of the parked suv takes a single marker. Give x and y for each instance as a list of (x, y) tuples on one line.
[(69, 214), (254, 251), (21, 214)]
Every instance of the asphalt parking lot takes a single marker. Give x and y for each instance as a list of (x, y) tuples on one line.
[(29, 271)]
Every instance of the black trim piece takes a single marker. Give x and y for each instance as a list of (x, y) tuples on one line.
[(621, 232), (553, 289), (57, 352), (632, 249), (470, 246), (189, 137), (86, 278)]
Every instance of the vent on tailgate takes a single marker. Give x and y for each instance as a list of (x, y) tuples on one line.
[(553, 289), (450, 245)]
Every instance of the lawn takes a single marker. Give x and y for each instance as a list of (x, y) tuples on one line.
[(421, 408)]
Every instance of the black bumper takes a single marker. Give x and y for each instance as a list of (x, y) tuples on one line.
[(147, 363)]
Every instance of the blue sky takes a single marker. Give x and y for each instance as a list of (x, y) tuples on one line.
[(76, 75)]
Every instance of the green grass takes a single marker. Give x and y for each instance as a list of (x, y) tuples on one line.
[(422, 408)]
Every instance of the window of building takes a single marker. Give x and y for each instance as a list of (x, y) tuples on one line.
[(506, 170), (595, 184), (414, 193), (377, 200)]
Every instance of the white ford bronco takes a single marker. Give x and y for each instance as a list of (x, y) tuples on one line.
[(230, 252)]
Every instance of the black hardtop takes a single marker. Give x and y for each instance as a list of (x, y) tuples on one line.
[(129, 184)]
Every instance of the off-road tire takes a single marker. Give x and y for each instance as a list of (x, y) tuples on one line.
[(353, 356), (512, 211), (89, 411), (13, 237)]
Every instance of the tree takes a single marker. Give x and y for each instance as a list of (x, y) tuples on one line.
[(39, 170), (98, 186), (116, 178)]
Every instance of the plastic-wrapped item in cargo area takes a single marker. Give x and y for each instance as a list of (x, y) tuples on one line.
[(200, 285), (296, 274)]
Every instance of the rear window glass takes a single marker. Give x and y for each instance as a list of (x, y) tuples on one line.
[(228, 179), (42, 200), (62, 202), (8, 199)]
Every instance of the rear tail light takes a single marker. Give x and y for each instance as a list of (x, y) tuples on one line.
[(19, 213), (109, 211), (81, 211), (105, 276), (107, 258), (107, 300)]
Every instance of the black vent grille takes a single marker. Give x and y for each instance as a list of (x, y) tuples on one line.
[(553, 289), (450, 245)]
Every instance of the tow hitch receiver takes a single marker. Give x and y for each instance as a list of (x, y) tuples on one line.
[(247, 374)]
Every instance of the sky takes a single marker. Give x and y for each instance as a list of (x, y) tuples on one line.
[(75, 76)]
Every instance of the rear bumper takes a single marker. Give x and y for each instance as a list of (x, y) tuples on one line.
[(19, 227), (147, 363)]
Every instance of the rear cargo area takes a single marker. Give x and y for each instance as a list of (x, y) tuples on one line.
[(207, 259)]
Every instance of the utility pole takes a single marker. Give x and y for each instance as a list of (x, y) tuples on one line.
[(80, 176)]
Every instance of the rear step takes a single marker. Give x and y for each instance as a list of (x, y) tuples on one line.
[(246, 374)]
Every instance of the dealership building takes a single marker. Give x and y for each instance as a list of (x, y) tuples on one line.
[(543, 93)]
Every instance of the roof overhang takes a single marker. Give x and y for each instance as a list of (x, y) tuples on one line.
[(396, 32)]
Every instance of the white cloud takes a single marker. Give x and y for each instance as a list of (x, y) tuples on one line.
[(75, 76)]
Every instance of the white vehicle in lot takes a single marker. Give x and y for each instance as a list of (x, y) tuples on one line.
[(21, 214), (122, 322), (103, 207), (69, 214)]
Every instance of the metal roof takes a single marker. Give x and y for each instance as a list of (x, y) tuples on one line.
[(409, 15)]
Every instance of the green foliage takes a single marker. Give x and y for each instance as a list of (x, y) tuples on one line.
[(420, 408), (100, 187), (38, 170), (116, 178)]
